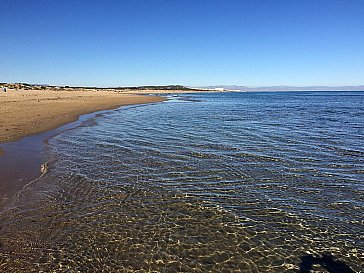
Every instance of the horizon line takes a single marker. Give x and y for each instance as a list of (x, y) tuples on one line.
[(189, 86)]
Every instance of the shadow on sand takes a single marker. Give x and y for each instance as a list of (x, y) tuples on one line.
[(326, 261)]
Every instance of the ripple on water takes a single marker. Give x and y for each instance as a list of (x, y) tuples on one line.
[(229, 182)]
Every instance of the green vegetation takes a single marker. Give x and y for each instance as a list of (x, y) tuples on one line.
[(27, 86)]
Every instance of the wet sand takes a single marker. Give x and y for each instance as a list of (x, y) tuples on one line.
[(28, 117), (28, 112)]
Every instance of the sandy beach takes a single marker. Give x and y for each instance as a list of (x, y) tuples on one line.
[(27, 112)]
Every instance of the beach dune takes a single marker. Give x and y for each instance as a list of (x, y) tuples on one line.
[(27, 112)]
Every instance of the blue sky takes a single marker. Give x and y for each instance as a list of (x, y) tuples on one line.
[(195, 43)]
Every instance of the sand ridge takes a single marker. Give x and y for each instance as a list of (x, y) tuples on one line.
[(27, 112)]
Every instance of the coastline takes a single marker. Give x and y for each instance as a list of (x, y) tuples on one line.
[(20, 152), (91, 189), (29, 112), (28, 117)]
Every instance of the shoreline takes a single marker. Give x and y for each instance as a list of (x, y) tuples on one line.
[(21, 158), (21, 164), (28, 117), (30, 112)]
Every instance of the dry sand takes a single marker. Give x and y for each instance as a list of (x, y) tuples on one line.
[(27, 112)]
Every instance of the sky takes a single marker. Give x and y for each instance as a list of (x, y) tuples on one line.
[(193, 43)]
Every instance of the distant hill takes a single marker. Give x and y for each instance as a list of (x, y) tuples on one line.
[(287, 88)]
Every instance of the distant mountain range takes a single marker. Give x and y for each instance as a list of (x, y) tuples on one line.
[(286, 88)]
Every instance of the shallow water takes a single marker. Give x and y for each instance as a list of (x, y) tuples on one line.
[(20, 160), (252, 182)]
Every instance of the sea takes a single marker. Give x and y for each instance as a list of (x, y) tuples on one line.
[(203, 182)]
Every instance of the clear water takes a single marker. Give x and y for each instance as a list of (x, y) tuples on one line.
[(223, 182)]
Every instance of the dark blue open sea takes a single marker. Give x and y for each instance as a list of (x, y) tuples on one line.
[(219, 182)]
